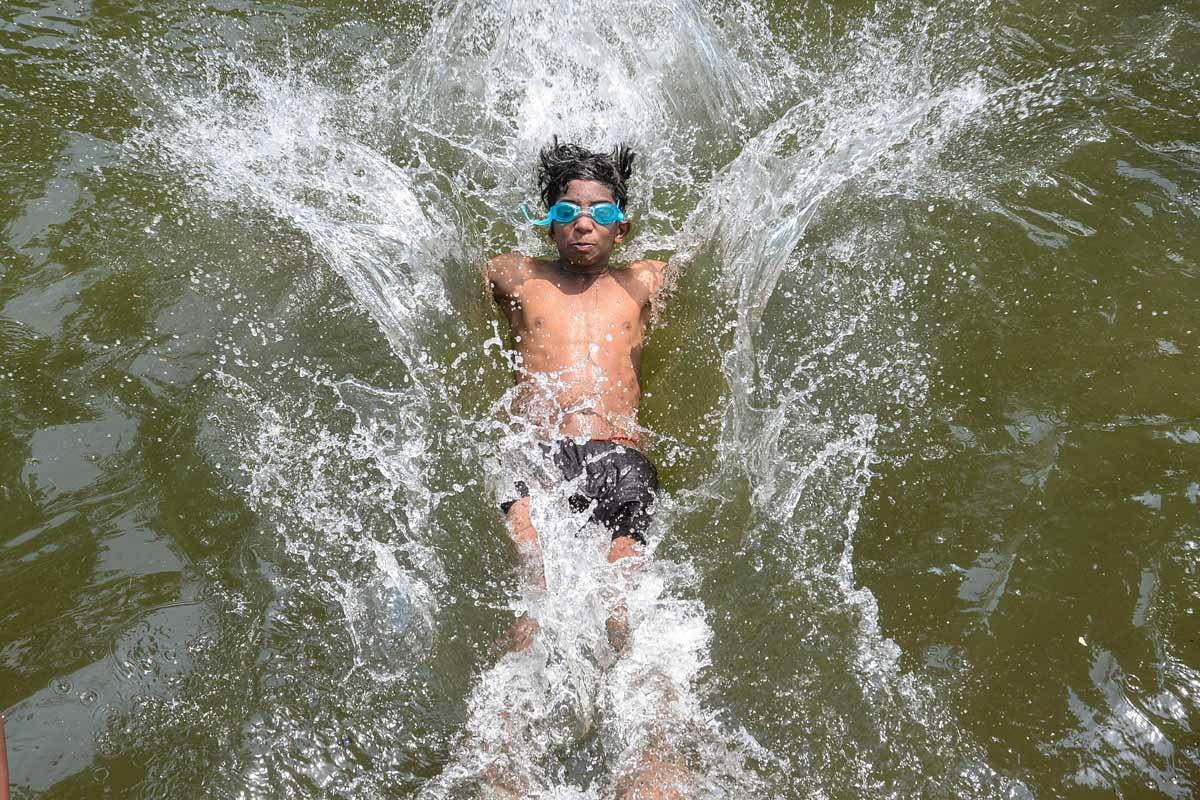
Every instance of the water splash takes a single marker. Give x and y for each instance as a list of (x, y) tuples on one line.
[(730, 181)]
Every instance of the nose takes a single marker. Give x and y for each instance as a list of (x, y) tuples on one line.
[(585, 220)]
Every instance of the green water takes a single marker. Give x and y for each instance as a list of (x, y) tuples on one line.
[(189, 380)]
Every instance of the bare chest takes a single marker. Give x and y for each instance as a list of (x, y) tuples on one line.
[(605, 311)]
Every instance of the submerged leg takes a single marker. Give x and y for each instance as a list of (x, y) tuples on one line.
[(525, 537), (529, 550), (498, 757), (617, 625)]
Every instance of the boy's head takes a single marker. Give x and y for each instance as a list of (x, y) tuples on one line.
[(563, 163), (571, 173)]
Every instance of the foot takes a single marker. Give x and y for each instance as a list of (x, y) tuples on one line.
[(654, 779), (520, 636), (499, 786), (617, 627)]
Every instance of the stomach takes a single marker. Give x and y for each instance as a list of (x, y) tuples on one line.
[(560, 408)]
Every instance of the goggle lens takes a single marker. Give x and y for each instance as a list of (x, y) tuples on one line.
[(605, 213), (563, 212), (602, 213)]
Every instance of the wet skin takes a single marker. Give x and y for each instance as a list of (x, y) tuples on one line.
[(578, 326)]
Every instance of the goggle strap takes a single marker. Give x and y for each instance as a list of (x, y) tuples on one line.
[(541, 222)]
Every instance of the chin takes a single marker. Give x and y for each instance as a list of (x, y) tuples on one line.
[(591, 261)]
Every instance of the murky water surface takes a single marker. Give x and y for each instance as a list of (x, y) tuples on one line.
[(925, 400)]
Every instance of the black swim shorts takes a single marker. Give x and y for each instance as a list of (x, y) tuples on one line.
[(620, 480)]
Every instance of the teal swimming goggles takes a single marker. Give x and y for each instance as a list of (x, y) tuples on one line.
[(563, 212)]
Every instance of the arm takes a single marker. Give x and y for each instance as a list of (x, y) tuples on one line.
[(503, 274), (658, 278)]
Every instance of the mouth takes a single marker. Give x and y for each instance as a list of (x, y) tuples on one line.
[(583, 246)]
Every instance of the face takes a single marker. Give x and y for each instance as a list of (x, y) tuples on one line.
[(584, 244)]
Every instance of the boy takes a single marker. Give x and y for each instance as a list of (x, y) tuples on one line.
[(579, 324)]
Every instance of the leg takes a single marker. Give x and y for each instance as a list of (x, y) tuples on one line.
[(625, 489), (529, 549), (497, 781), (617, 625), (623, 547), (525, 537)]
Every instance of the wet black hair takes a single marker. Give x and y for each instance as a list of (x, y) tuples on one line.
[(563, 163)]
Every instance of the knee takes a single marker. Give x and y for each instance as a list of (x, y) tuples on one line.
[(520, 525), (623, 547)]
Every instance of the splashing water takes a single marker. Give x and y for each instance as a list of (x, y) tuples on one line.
[(375, 496)]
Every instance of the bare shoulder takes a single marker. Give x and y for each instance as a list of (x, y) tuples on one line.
[(654, 278), (649, 273), (507, 265), (505, 273)]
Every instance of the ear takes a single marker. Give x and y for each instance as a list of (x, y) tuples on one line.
[(622, 232)]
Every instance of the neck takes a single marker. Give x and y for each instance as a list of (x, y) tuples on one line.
[(567, 266)]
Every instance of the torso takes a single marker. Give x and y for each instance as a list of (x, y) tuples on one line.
[(580, 339)]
